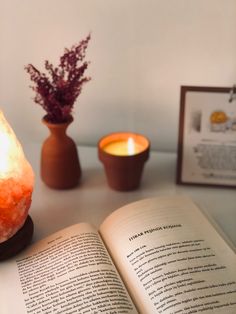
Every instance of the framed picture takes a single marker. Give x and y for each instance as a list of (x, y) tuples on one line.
[(207, 136)]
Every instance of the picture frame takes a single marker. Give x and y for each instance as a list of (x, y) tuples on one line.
[(207, 136)]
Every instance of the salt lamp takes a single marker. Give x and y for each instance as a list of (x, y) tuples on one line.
[(16, 187)]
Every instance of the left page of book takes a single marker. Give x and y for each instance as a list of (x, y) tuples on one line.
[(67, 272)]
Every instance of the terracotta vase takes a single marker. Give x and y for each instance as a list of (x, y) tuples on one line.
[(60, 166)]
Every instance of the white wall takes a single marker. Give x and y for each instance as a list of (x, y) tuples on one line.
[(141, 52)]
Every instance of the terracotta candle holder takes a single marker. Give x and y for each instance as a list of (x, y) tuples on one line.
[(123, 155)]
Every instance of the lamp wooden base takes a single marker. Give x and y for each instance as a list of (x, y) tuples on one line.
[(18, 242)]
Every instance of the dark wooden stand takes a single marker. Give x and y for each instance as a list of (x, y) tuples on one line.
[(18, 242)]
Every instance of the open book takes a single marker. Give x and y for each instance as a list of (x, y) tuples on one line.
[(159, 255)]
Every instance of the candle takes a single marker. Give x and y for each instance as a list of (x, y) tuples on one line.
[(16, 183), (124, 144), (124, 147), (123, 155)]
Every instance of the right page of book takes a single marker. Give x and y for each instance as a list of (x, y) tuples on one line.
[(171, 258)]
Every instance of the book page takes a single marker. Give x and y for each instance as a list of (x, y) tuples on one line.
[(68, 272), (171, 258)]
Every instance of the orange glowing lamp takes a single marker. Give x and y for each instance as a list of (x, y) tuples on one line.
[(16, 187)]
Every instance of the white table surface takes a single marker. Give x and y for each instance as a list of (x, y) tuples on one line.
[(93, 199)]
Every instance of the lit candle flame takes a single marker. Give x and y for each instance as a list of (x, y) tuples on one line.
[(131, 146)]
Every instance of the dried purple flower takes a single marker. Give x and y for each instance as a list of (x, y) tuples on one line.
[(58, 92)]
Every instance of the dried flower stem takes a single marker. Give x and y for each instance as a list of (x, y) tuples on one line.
[(58, 92)]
